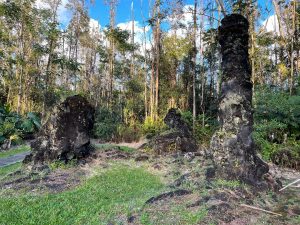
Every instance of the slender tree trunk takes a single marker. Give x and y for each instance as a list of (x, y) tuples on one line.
[(63, 55), (157, 49), (219, 75), (292, 48), (145, 63), (20, 91), (145, 71), (194, 62), (152, 80), (47, 78), (112, 12), (278, 14), (221, 5), (202, 73), (132, 41)]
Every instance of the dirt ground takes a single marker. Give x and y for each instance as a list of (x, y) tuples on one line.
[(187, 189)]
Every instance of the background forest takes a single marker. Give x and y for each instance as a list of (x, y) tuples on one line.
[(134, 74)]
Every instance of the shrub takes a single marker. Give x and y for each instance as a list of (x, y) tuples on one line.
[(274, 107), (205, 127), (202, 133), (129, 134), (14, 127), (106, 124), (187, 116), (109, 127), (276, 126), (269, 130), (153, 127)]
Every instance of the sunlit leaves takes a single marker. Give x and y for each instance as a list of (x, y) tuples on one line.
[(176, 47)]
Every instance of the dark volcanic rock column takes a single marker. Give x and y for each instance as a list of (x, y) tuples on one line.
[(178, 139), (232, 146), (66, 134)]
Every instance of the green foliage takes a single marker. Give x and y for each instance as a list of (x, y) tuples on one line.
[(110, 127), (134, 103), (120, 38), (106, 124), (153, 127), (14, 126), (129, 133), (265, 130), (187, 116), (287, 154), (277, 106), (228, 183), (210, 53), (265, 39), (202, 133), (277, 123), (99, 200), (62, 165), (176, 48)]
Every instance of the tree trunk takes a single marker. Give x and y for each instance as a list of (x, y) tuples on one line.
[(132, 41), (292, 48), (157, 53), (194, 63)]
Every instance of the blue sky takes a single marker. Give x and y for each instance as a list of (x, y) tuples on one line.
[(100, 12)]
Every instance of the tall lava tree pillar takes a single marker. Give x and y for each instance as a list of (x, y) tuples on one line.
[(232, 146)]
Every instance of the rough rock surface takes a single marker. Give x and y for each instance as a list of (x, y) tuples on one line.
[(232, 146), (179, 138), (66, 134)]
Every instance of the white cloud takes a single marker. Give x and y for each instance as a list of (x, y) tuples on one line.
[(185, 18), (64, 15), (40, 4), (271, 24), (138, 28), (94, 26), (139, 36)]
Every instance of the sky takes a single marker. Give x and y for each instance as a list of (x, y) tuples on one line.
[(99, 11), (99, 14)]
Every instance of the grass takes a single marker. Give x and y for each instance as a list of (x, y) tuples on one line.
[(173, 215), (228, 183), (102, 199), (9, 169), (20, 149), (62, 165), (108, 146)]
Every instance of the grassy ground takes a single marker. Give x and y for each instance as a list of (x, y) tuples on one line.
[(114, 186), (9, 169), (109, 146), (100, 200), (20, 149)]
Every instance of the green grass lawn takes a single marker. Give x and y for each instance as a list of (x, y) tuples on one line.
[(100, 200), (22, 148), (108, 146), (9, 169)]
